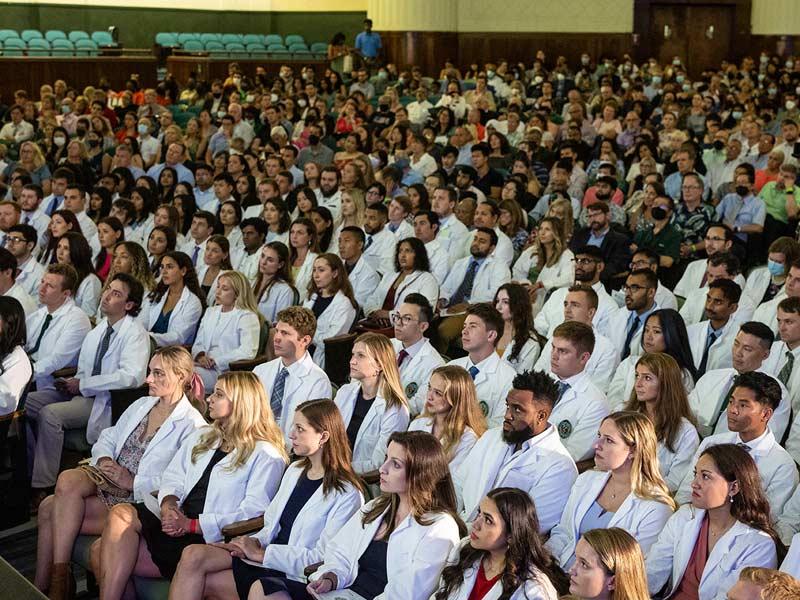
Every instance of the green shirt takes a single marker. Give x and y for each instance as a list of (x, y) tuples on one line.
[(666, 242), (775, 201)]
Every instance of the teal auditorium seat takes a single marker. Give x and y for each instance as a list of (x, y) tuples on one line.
[(194, 46), (8, 33), (257, 49), (30, 34), (215, 47), (63, 48), (39, 47), (103, 39), (210, 37), (76, 35), (54, 34), (13, 47), (185, 37), (298, 48), (273, 38), (253, 38), (294, 39), (231, 38), (167, 39), (86, 48)]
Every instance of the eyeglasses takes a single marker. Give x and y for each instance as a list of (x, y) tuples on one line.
[(396, 318), (14, 240), (690, 187), (584, 261), (639, 264), (634, 289), (714, 239)]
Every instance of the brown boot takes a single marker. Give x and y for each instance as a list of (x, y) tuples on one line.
[(62, 582)]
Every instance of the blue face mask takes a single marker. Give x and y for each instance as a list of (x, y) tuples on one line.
[(775, 268)]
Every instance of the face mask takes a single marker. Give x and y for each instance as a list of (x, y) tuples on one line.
[(775, 268), (313, 140), (142, 129), (789, 64), (676, 62), (584, 60), (680, 78), (217, 94), (656, 79), (80, 131), (94, 143), (625, 85), (221, 113), (383, 75), (764, 59), (718, 144), (659, 213), (790, 105), (490, 74), (302, 103), (237, 81), (761, 76), (383, 107), (742, 190), (686, 87), (560, 76), (737, 114), (273, 98), (65, 109), (59, 141), (249, 98), (772, 91)]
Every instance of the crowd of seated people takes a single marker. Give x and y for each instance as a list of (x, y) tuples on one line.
[(568, 298)]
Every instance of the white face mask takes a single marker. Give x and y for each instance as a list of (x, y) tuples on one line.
[(790, 105), (273, 98), (301, 103), (59, 141)]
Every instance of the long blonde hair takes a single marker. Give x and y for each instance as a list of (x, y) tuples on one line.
[(380, 350), (637, 431), (178, 360), (357, 196), (465, 412), (621, 556), (567, 220), (251, 420), (559, 245), (245, 299)]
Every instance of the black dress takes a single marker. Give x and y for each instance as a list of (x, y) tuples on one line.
[(359, 412), (245, 574), (166, 550)]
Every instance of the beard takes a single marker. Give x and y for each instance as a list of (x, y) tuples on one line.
[(517, 436)]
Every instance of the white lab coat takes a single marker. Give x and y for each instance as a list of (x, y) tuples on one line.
[(791, 564), (693, 309), (775, 467), (88, 296), (279, 296), (536, 586), (773, 365), (40, 222), (460, 452), (183, 321), (503, 251), (542, 468), (305, 381), (491, 274), (707, 397), (602, 362), (232, 496), (318, 521), (124, 366), (29, 305), (61, 342), (693, 277), (767, 312), (304, 275), (188, 249), (247, 264), (17, 371), (415, 554), (211, 296), (642, 518), (30, 276), (621, 385), (225, 337), (403, 231), (527, 356), (578, 415), (664, 297), (719, 355), (451, 236), (416, 282), (334, 320), (741, 546), (379, 423), (618, 332), (380, 253), (757, 283), (364, 280), (788, 522), (438, 259), (180, 424), (492, 384), (552, 313), (415, 372)]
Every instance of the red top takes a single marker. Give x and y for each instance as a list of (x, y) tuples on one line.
[(689, 588), (482, 585), (102, 272)]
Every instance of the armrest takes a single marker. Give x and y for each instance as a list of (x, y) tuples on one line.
[(311, 569), (65, 372), (585, 465), (242, 527), (248, 364)]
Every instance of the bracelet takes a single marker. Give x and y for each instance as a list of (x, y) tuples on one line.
[(193, 525), (694, 248)]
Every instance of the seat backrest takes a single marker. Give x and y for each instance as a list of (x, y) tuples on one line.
[(167, 39), (8, 33), (234, 47), (193, 46), (273, 38), (215, 46), (252, 38), (337, 357), (29, 34), (256, 47), (298, 47), (54, 34), (319, 47), (39, 43), (231, 38), (103, 38), (185, 37), (63, 44), (277, 48), (76, 35), (294, 39)]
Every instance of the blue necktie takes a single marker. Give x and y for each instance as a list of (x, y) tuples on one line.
[(101, 351), (276, 398), (710, 339), (473, 372), (465, 289), (369, 242), (195, 254), (53, 203), (626, 349), (563, 386)]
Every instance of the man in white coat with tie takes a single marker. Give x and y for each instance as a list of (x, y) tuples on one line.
[(753, 401), (720, 266), (113, 356), (416, 356), (452, 232), (201, 229), (580, 406), (292, 377), (711, 341), (524, 453), (471, 280), (718, 239), (625, 326), (710, 397), (380, 243), (21, 242)]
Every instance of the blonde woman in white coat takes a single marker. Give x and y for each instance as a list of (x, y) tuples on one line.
[(171, 312), (303, 251), (223, 473), (452, 413), (330, 298), (625, 490), (403, 537), (727, 527), (373, 405), (519, 345), (229, 330), (159, 423), (504, 554), (318, 495), (411, 275)]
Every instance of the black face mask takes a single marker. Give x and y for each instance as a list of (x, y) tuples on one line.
[(313, 140), (217, 94), (742, 190), (718, 144), (94, 143), (602, 196), (383, 107), (80, 131), (658, 213)]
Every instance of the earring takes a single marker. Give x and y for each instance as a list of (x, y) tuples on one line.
[(731, 498)]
